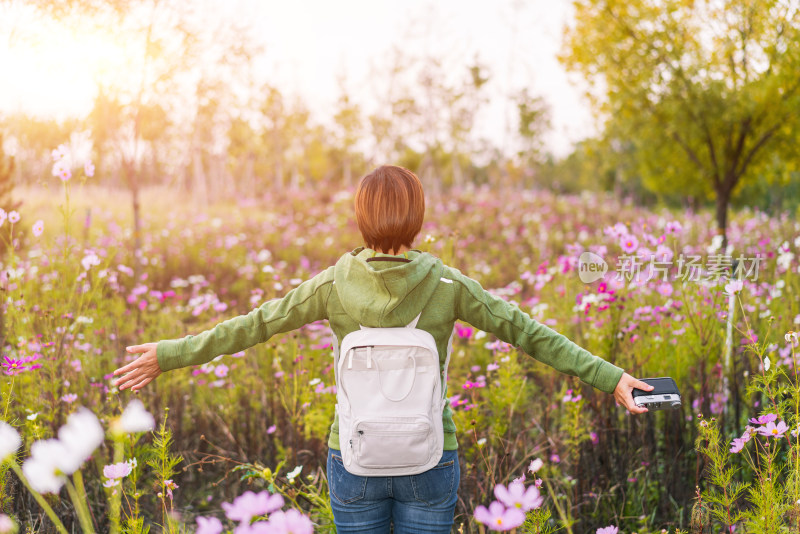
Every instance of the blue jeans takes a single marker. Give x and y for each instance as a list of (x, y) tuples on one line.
[(425, 502)]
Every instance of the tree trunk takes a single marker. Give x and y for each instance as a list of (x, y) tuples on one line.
[(723, 200)]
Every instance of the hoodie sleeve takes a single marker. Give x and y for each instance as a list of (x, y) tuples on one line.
[(510, 324), (302, 305)]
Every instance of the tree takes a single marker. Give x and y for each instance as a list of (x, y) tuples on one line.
[(534, 121), (708, 91)]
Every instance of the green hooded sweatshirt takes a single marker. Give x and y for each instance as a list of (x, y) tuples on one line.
[(390, 293)]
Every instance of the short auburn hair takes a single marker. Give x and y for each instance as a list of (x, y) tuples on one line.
[(390, 206)]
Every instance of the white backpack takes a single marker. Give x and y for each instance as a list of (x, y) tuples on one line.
[(390, 398)]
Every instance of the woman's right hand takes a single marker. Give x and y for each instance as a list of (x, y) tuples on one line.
[(140, 371), (624, 392)]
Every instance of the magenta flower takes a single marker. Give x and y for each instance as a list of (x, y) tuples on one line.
[(608, 530), (555, 458), (290, 521), (773, 430), (208, 525), (464, 332), (629, 244), (249, 504), (518, 496), (497, 517), (764, 419), (12, 365)]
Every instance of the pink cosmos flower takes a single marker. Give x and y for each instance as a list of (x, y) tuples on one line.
[(69, 398), (170, 485), (737, 445), (497, 517), (608, 530), (60, 153), (773, 430), (88, 169), (629, 244), (290, 521), (249, 504), (518, 496), (555, 458), (665, 289), (120, 470), (38, 228), (221, 370), (13, 217), (208, 525), (62, 170), (764, 419), (673, 227), (733, 287)]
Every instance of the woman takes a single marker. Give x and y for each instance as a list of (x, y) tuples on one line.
[(387, 284)]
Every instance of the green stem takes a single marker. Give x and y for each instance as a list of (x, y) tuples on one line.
[(38, 496), (80, 505), (116, 497), (561, 513), (8, 399)]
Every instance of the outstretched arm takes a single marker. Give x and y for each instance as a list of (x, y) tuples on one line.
[(510, 324), (304, 304)]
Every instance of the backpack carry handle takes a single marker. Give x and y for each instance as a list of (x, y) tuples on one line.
[(380, 380)]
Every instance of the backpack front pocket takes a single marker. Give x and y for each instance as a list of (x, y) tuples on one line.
[(392, 441)]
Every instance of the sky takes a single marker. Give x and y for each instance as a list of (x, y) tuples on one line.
[(311, 45)]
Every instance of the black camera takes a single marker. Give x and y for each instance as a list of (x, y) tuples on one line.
[(663, 396)]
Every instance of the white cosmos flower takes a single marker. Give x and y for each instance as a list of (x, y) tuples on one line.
[(9, 440), (7, 525), (42, 469), (135, 418), (81, 435)]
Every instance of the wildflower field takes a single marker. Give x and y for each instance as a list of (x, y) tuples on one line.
[(239, 444)]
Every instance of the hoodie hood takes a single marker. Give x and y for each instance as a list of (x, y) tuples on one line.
[(385, 293)]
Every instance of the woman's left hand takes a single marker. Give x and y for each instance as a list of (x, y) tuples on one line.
[(140, 371), (624, 392)]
